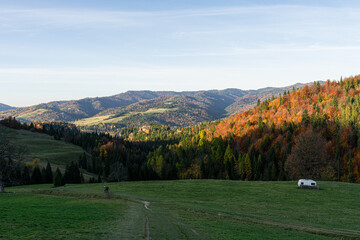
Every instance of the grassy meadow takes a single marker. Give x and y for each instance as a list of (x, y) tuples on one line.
[(44, 147), (113, 119), (191, 209)]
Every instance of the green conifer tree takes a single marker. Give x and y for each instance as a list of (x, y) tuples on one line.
[(248, 167), (58, 178), (241, 169), (351, 168), (305, 117), (36, 177), (48, 174)]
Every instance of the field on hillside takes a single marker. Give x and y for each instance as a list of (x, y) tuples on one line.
[(114, 119), (191, 209), (43, 146)]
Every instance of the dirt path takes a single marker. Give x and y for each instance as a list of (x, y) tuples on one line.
[(146, 205), (147, 230), (130, 224)]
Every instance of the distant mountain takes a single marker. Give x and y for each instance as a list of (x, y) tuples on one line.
[(77, 109), (135, 108), (4, 107), (175, 110), (249, 100)]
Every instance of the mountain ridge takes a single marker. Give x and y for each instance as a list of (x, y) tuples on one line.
[(4, 107), (145, 106)]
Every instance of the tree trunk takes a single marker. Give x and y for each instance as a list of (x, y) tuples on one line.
[(2, 188)]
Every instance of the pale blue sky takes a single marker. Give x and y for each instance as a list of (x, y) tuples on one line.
[(56, 50)]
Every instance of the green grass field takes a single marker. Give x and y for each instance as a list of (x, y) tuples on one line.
[(191, 209), (44, 147), (96, 120)]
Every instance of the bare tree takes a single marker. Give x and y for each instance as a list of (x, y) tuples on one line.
[(10, 160), (118, 173), (308, 157)]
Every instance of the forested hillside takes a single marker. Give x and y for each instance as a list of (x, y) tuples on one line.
[(312, 132), (136, 108), (173, 111)]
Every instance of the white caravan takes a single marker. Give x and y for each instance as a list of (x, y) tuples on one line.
[(307, 183)]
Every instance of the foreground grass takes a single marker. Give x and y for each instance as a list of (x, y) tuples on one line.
[(193, 209), (35, 216)]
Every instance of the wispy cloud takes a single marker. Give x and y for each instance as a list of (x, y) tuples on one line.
[(237, 51), (13, 17), (23, 18), (183, 49)]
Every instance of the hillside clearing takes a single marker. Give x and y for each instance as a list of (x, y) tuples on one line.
[(44, 147), (114, 119)]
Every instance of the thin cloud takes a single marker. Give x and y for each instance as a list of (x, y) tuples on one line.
[(13, 18), (244, 47), (261, 50), (16, 18)]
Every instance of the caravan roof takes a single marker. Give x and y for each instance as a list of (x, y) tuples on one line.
[(307, 182)]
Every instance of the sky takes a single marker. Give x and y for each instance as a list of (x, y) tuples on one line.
[(72, 49)]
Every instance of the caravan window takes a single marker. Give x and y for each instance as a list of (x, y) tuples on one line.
[(312, 184), (302, 183)]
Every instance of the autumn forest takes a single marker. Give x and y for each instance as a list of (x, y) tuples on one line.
[(312, 132)]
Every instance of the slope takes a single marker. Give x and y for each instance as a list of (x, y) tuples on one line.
[(76, 109), (272, 133), (4, 107), (58, 153), (179, 110), (174, 111)]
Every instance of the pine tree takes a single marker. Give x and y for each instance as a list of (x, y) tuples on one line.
[(305, 117), (58, 178), (260, 123), (43, 173), (338, 157), (248, 167), (229, 162), (48, 174), (257, 167), (335, 101), (25, 176), (219, 154), (36, 177), (83, 161), (241, 169), (272, 164), (320, 99), (72, 174), (351, 168)]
